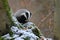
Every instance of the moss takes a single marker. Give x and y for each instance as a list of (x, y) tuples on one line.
[(1, 38), (8, 11), (12, 39), (11, 33), (27, 38), (36, 32)]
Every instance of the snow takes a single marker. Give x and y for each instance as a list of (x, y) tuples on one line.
[(18, 38), (49, 38), (14, 29), (15, 35), (43, 37), (17, 32), (7, 36), (26, 32)]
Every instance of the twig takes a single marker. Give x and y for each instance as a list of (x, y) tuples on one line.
[(45, 18)]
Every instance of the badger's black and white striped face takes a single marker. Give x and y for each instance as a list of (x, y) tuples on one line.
[(23, 17)]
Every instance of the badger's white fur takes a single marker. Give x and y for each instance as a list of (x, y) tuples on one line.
[(22, 12)]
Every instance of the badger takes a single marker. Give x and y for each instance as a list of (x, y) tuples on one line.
[(23, 15)]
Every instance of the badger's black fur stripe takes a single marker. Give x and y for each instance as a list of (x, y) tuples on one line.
[(27, 15), (21, 19)]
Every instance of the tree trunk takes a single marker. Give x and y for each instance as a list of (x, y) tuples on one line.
[(57, 20), (4, 11), (3, 18)]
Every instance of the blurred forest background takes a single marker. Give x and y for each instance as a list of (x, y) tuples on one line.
[(42, 11), (42, 14)]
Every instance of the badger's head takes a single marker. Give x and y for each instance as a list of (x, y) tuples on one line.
[(23, 15)]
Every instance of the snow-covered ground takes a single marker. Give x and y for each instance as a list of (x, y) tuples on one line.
[(22, 34), (19, 34)]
